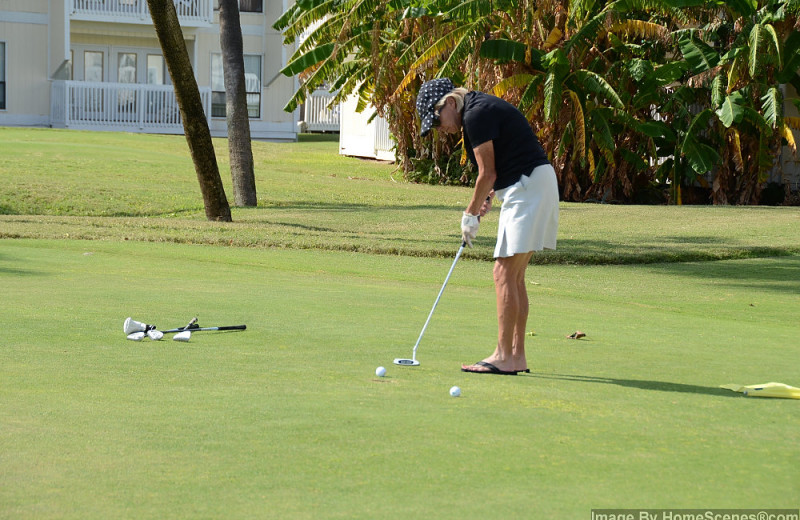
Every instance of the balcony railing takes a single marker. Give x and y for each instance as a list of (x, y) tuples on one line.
[(118, 106), (190, 12)]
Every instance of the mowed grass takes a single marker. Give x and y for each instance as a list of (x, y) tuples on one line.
[(288, 420), (111, 186)]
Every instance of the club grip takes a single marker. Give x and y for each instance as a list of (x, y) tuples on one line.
[(233, 327)]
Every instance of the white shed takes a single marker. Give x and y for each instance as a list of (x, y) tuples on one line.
[(359, 137)]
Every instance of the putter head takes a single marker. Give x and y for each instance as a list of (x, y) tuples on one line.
[(406, 362)]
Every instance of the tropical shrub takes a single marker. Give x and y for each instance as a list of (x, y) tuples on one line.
[(633, 100)]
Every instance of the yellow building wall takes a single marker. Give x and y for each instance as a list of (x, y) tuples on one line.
[(27, 84), (26, 6)]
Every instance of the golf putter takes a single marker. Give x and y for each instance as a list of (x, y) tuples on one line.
[(413, 362)]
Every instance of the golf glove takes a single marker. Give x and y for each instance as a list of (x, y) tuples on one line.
[(469, 227)]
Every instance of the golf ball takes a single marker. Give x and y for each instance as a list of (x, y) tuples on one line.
[(455, 391), (380, 371)]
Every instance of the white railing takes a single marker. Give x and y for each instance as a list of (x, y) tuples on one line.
[(318, 116), (383, 137), (190, 12), (118, 106)]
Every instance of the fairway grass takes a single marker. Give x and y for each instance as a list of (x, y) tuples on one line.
[(287, 419)]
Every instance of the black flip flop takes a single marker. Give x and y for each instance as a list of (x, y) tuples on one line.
[(492, 370)]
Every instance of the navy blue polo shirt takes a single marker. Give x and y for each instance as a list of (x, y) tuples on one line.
[(517, 151)]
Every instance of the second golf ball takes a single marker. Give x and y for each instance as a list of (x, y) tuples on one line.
[(455, 391), (380, 371)]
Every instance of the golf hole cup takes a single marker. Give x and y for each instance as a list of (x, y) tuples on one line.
[(380, 371)]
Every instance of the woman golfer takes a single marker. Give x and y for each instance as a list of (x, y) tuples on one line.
[(513, 167)]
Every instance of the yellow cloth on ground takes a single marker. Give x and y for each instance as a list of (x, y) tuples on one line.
[(766, 390)]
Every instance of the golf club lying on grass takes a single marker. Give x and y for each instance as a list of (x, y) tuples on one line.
[(413, 361), (136, 330)]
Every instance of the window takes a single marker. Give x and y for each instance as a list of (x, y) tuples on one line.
[(251, 6), (155, 69), (246, 6), (252, 80), (92, 66), (126, 69), (2, 76), (126, 73)]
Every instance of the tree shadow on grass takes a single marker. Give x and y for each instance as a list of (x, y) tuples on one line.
[(14, 268), (780, 274), (327, 206), (660, 386)]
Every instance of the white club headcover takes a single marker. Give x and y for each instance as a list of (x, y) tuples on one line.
[(154, 334), (132, 325), (136, 336), (182, 336)]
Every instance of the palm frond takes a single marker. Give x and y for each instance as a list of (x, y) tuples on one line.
[(786, 133), (552, 96), (470, 10), (704, 78), (364, 96), (732, 109), (698, 54), (408, 79), (442, 46), (601, 130), (287, 18), (460, 51), (503, 50), (308, 60), (511, 82), (718, 90), (791, 51), (702, 158), (771, 106), (736, 149), (307, 18), (640, 29), (742, 7), (774, 40), (580, 124), (735, 71), (363, 9), (439, 48), (792, 122), (552, 39), (755, 118), (756, 41), (530, 98), (587, 34), (597, 85)]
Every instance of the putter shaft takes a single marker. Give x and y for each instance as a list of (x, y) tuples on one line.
[(458, 255)]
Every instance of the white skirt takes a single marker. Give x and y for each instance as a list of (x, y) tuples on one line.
[(528, 214)]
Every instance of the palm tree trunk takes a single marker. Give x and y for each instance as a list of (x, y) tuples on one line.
[(241, 153), (195, 124)]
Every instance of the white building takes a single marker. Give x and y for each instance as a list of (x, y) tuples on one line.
[(98, 65)]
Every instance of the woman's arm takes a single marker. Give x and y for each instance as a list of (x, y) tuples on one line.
[(484, 156)]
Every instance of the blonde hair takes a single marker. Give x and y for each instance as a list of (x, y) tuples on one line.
[(457, 94)]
